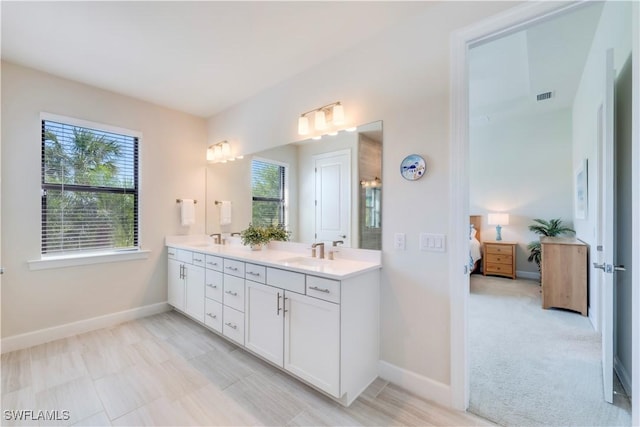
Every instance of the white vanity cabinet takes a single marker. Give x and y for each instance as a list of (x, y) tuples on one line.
[(186, 282)]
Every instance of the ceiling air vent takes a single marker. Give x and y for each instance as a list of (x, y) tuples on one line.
[(544, 95)]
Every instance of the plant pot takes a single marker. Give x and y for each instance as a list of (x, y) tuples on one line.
[(256, 246)]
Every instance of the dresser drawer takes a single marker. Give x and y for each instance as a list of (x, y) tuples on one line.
[(213, 262), (325, 289), (255, 273), (235, 268), (198, 259), (213, 314), (288, 280), (184, 255), (499, 259), (233, 324), (213, 285), (499, 268), (499, 249), (172, 253), (233, 292)]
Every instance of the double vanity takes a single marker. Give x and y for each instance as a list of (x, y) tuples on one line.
[(317, 319)]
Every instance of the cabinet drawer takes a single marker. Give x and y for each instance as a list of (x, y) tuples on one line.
[(213, 314), (499, 249), (233, 326), (172, 253), (499, 268), (499, 259), (233, 292), (213, 262), (255, 273), (213, 285), (184, 255), (326, 289), (198, 259), (286, 280), (235, 268)]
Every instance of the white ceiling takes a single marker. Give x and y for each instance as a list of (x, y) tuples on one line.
[(506, 74), (198, 57)]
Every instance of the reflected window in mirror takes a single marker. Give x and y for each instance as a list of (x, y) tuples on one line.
[(268, 192), (372, 207)]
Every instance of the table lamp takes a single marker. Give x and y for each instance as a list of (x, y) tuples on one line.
[(498, 219)]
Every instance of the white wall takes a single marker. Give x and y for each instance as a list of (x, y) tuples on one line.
[(522, 166), (172, 158), (409, 92), (614, 31)]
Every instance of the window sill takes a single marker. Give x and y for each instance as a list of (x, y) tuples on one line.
[(63, 261)]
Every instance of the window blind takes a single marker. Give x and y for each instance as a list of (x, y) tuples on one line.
[(89, 189), (268, 182)]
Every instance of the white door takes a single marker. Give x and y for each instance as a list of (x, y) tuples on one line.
[(194, 300), (175, 295), (312, 341), (333, 196), (604, 266), (264, 328)]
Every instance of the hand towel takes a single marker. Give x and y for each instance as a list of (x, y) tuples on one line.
[(225, 213), (187, 212)]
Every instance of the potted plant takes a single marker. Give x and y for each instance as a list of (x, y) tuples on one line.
[(256, 235), (553, 227)]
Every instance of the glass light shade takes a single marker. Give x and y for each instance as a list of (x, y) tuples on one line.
[(303, 125), (217, 152), (319, 120), (210, 154), (338, 114), (226, 149), (498, 219)]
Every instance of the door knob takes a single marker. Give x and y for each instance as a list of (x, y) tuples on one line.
[(600, 266)]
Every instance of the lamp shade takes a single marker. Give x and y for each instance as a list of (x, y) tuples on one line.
[(498, 219), (319, 120), (303, 125), (210, 154), (338, 114), (226, 149)]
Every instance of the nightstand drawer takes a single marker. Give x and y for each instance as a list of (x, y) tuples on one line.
[(499, 259), (499, 268), (499, 249)]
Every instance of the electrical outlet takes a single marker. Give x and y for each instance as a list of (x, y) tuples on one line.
[(399, 241)]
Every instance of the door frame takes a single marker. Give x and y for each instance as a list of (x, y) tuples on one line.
[(461, 41)]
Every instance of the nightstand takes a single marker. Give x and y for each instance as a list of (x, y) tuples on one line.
[(499, 259)]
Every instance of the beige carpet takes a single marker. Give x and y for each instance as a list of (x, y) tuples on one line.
[(531, 367)]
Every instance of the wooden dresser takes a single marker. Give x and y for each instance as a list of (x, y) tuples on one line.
[(499, 259), (564, 273)]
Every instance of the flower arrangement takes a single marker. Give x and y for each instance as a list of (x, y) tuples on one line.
[(257, 235)]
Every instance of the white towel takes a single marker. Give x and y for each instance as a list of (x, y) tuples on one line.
[(187, 212), (225, 213)]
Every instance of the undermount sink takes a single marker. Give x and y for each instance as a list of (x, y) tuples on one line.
[(305, 261), (201, 244)]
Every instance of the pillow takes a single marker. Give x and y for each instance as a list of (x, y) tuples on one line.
[(472, 232)]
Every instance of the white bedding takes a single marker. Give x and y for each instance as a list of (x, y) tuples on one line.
[(474, 249)]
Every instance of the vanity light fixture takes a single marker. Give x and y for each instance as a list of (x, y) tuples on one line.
[(375, 182), (220, 152), (323, 117)]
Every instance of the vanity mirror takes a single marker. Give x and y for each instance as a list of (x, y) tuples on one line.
[(323, 190)]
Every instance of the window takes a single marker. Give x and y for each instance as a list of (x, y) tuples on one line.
[(89, 188), (268, 189)]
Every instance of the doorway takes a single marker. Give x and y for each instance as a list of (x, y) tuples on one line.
[(508, 23)]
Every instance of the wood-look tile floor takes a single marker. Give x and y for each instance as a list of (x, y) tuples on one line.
[(167, 370)]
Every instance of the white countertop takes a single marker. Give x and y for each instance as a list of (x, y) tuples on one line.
[(289, 256)]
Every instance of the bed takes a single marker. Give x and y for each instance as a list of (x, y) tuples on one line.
[(475, 247)]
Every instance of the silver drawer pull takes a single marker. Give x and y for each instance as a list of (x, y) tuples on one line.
[(235, 294), (231, 325), (212, 286), (197, 260), (252, 273), (172, 253), (315, 288), (212, 263), (213, 316), (232, 268)]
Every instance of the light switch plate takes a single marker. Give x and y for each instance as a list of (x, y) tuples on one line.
[(400, 241), (432, 242)]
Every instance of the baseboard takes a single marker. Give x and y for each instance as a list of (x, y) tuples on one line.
[(18, 342), (416, 383), (623, 375), (527, 275)]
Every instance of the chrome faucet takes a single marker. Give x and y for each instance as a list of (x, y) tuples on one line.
[(335, 242), (217, 237), (313, 250)]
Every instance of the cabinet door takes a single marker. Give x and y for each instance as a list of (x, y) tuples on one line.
[(312, 341), (175, 293), (194, 303), (264, 329)]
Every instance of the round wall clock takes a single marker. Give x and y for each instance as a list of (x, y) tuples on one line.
[(413, 167)]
